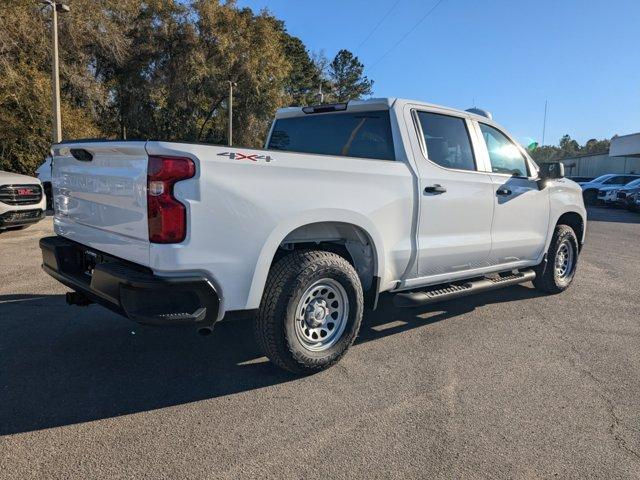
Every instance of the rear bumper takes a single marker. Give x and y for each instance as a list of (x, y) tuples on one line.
[(18, 218), (129, 289)]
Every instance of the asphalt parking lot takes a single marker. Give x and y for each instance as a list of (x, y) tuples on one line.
[(508, 384)]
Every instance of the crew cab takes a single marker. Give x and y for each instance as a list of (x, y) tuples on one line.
[(22, 202), (345, 202)]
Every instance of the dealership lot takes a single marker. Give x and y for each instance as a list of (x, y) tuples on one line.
[(501, 385)]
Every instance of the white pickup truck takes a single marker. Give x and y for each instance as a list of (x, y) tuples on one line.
[(346, 201)]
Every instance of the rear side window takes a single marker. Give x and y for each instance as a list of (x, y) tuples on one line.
[(503, 154), (350, 134), (447, 141)]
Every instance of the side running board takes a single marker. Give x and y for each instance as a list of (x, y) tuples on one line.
[(441, 293)]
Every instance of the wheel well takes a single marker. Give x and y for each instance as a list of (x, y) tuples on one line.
[(576, 222), (344, 239)]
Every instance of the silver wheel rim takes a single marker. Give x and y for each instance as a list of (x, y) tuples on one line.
[(564, 259), (321, 315)]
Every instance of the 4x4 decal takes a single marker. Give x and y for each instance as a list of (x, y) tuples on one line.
[(243, 156)]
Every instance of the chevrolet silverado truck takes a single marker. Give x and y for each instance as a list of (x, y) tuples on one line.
[(22, 202), (345, 202)]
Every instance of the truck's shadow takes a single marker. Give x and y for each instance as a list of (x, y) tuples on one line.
[(61, 365)]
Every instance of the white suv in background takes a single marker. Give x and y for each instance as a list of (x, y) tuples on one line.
[(22, 200)]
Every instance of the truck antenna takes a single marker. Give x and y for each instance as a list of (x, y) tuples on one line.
[(544, 122)]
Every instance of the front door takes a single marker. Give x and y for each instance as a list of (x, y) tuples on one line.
[(456, 199), (521, 214)]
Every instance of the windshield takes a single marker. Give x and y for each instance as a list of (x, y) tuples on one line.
[(349, 134), (601, 178)]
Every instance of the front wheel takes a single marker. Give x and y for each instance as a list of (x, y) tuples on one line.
[(310, 312), (557, 272)]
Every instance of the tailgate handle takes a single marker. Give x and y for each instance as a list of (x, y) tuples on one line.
[(81, 154)]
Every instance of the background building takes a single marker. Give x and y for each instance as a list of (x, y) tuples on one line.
[(623, 157)]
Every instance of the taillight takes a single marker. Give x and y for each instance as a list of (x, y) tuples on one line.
[(167, 217)]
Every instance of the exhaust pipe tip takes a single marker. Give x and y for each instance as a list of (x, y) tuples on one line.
[(205, 331)]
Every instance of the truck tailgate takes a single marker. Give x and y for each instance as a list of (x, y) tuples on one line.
[(99, 191)]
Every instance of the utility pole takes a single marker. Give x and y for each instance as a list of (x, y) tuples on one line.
[(544, 122), (230, 136), (55, 68), (319, 95)]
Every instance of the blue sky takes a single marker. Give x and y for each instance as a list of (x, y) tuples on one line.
[(583, 56)]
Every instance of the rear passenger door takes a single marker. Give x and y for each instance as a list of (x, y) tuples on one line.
[(521, 212), (455, 198)]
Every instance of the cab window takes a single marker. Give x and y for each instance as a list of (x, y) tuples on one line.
[(447, 141), (349, 134), (505, 157)]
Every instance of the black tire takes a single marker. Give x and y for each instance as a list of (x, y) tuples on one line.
[(590, 197), (275, 326), (548, 279)]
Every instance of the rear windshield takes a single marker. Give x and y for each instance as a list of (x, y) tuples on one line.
[(350, 134)]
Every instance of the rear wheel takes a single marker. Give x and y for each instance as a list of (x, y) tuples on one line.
[(310, 312), (556, 274)]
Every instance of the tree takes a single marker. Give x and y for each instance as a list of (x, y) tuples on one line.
[(153, 69), (305, 75), (569, 148), (25, 83), (346, 74), (595, 146)]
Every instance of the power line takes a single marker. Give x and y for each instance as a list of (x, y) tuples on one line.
[(384, 17), (424, 17)]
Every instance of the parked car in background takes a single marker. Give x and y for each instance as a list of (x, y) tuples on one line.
[(581, 180), (633, 202), (606, 195), (44, 175), (590, 189), (623, 193), (22, 201)]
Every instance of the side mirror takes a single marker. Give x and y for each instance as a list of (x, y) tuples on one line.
[(549, 171)]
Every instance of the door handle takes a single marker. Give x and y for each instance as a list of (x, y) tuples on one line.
[(503, 191), (436, 188)]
